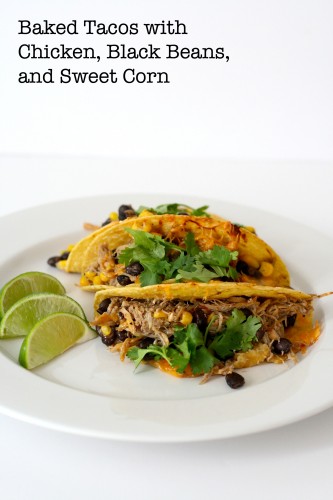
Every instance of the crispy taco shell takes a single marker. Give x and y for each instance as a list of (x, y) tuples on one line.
[(74, 263), (204, 291)]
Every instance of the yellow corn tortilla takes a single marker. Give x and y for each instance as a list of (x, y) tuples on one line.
[(270, 269), (75, 258), (216, 290)]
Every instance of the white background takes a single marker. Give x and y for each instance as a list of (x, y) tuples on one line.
[(255, 131)]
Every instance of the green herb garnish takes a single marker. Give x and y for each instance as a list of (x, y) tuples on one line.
[(192, 347), (163, 260), (176, 208), (238, 334)]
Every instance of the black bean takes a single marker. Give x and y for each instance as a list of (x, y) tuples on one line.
[(103, 306), (134, 269), (108, 339), (260, 334), (124, 280), (200, 319), (52, 261), (64, 256), (125, 211), (281, 346), (247, 312), (242, 267), (106, 222), (182, 213), (122, 335), (144, 343), (234, 380), (290, 321)]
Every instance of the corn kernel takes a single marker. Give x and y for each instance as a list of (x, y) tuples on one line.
[(143, 226), (186, 318), (160, 315), (97, 280), (106, 330), (107, 266), (104, 278), (146, 226), (90, 274), (84, 281), (61, 264), (266, 269), (251, 229), (113, 216), (145, 213), (70, 248)]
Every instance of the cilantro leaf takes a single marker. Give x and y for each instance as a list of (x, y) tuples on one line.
[(178, 360), (200, 212), (191, 334), (202, 361), (136, 354), (238, 334), (181, 261), (175, 208), (192, 248), (190, 339), (160, 260), (151, 251), (217, 256), (218, 259), (198, 273)]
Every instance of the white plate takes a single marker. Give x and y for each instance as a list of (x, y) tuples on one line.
[(88, 391)]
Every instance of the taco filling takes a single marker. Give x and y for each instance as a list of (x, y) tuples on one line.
[(212, 336), (180, 249)]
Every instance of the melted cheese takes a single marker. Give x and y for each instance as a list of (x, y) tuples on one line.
[(303, 333)]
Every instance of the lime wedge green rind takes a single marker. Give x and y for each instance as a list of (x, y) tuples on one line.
[(25, 313), (26, 284), (52, 336)]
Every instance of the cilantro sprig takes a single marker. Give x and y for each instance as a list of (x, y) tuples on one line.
[(192, 347), (238, 334), (176, 208), (163, 260)]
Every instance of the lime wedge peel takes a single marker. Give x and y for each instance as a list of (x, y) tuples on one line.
[(26, 284), (21, 318), (52, 336)]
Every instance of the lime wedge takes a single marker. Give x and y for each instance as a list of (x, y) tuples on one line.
[(52, 336), (26, 284), (26, 312)]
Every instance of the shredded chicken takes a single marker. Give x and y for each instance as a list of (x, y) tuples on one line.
[(157, 318)]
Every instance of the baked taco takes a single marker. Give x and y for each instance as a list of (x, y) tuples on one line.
[(71, 259), (205, 329), (172, 248)]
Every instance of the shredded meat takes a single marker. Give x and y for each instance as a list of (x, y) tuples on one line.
[(156, 319)]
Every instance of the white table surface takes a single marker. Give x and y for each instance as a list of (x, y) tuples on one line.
[(37, 463)]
